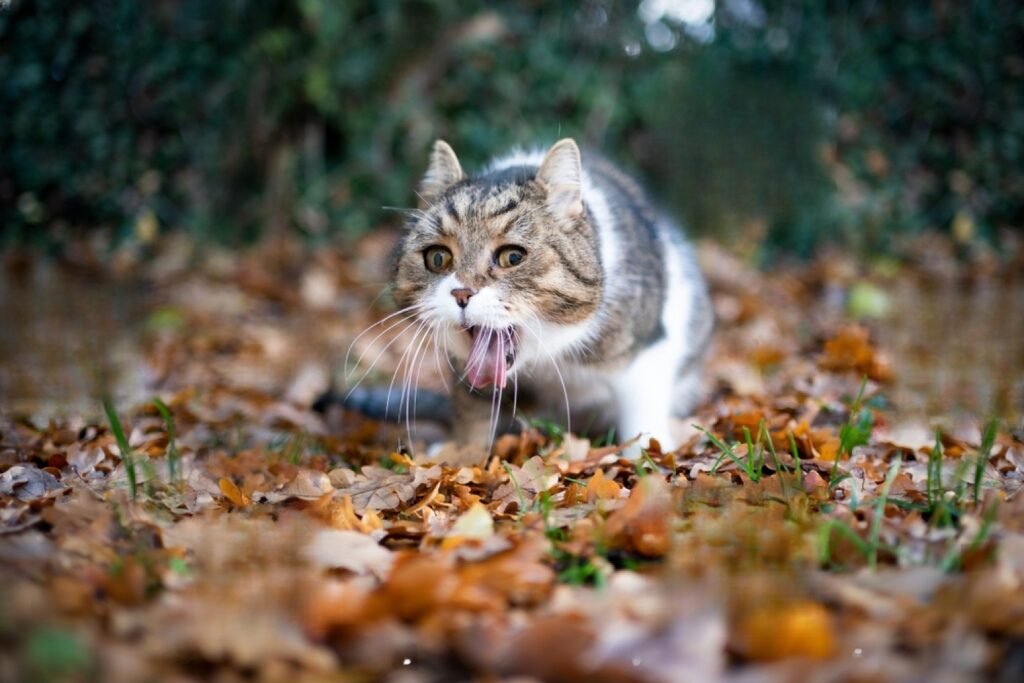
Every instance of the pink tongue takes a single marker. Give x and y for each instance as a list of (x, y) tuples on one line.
[(486, 364)]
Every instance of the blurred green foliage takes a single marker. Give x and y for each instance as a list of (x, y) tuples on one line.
[(788, 119)]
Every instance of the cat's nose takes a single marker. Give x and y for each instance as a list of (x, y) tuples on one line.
[(462, 295)]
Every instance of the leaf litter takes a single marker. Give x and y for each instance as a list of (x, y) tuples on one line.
[(804, 530)]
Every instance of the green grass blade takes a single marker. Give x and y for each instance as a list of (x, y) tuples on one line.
[(934, 484), (724, 449), (755, 464), (842, 529), (122, 443), (953, 559), (796, 456), (763, 433), (876, 523), (173, 456), (987, 441)]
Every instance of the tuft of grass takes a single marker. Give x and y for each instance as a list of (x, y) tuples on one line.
[(173, 455), (763, 435), (579, 571), (987, 441), (856, 432), (796, 458), (572, 569), (752, 465), (607, 440), (551, 429), (645, 464), (934, 490), (954, 558), (122, 443), (843, 529), (879, 517), (870, 547)]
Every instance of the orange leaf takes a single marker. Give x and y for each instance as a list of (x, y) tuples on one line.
[(803, 629), (600, 488), (232, 492), (829, 449), (849, 350), (642, 524)]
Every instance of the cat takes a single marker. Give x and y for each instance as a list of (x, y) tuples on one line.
[(554, 278)]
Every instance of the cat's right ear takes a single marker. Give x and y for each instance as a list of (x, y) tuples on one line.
[(561, 175), (443, 172)]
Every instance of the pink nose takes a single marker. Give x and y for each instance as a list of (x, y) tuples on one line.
[(462, 295)]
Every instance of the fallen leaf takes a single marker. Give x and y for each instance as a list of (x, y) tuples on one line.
[(232, 492), (802, 629), (349, 550), (642, 525), (600, 488), (476, 523), (378, 488), (27, 483)]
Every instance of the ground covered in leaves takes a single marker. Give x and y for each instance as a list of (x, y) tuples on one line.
[(211, 526)]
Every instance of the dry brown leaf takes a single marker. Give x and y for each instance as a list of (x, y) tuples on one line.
[(642, 525), (524, 484), (600, 488), (377, 488), (349, 550), (27, 483), (232, 492)]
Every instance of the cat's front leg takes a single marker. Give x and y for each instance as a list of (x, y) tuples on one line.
[(644, 394), (471, 415)]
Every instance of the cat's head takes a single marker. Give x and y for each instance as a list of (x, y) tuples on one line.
[(504, 267)]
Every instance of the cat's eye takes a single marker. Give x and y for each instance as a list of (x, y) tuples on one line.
[(509, 256), (437, 259)]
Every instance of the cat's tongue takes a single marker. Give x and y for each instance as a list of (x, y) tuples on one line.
[(486, 364)]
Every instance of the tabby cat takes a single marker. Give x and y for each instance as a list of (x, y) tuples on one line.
[(555, 280)]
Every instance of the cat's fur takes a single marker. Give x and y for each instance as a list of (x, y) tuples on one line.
[(606, 312)]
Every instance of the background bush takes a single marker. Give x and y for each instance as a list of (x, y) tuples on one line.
[(793, 120)]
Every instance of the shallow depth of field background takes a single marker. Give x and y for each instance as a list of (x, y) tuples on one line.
[(783, 123)]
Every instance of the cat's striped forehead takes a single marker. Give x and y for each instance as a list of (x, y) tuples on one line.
[(497, 204)]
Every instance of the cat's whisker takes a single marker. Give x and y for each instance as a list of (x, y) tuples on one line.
[(351, 369), (379, 355), (410, 211), (405, 362), (496, 393), (495, 403), (408, 381), (448, 353), (398, 369), (558, 372), (436, 330), (515, 388), (417, 357), (407, 312)]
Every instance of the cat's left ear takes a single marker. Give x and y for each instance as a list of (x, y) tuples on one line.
[(443, 172), (561, 174)]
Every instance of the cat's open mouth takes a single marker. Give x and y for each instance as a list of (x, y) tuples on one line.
[(492, 353)]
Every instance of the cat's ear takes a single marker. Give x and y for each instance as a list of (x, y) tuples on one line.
[(443, 172), (561, 174)]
